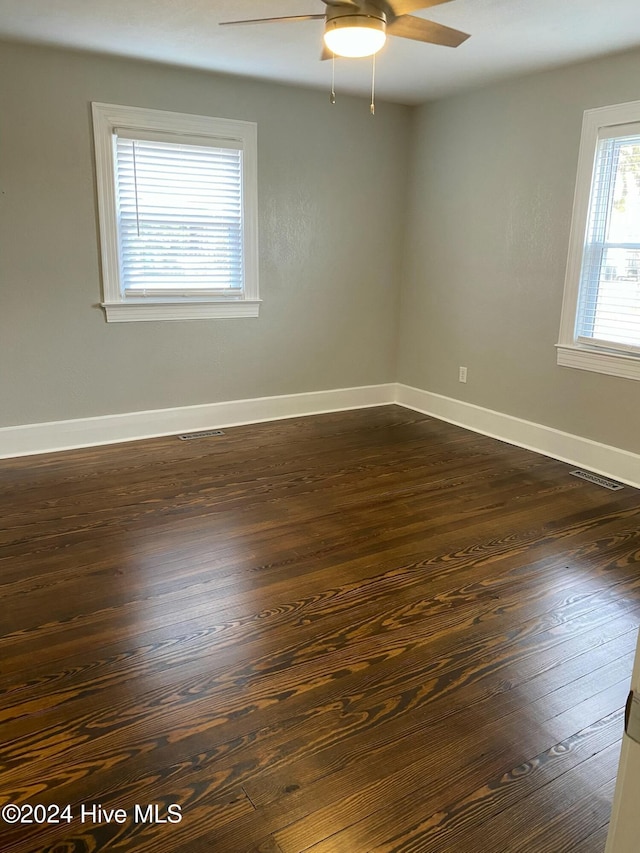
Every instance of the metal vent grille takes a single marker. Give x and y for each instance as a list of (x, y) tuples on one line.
[(599, 481), (208, 433)]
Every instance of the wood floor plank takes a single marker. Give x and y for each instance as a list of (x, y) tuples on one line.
[(48, 733), (362, 631), (593, 843), (395, 741), (574, 806), (509, 829), (448, 829), (73, 685)]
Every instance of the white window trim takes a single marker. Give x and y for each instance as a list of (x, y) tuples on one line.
[(118, 308), (571, 351)]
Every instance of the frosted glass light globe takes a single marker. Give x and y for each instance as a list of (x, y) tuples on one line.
[(347, 37)]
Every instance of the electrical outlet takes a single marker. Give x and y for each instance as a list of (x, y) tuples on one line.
[(462, 374)]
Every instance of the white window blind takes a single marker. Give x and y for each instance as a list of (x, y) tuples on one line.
[(180, 217), (608, 312)]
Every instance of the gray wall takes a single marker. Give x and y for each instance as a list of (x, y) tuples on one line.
[(492, 183), (476, 242), (332, 184)]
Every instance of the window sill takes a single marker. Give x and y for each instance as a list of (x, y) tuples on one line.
[(133, 312), (613, 364)]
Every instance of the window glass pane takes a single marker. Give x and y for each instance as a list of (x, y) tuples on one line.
[(624, 213), (609, 303), (617, 310), (179, 216)]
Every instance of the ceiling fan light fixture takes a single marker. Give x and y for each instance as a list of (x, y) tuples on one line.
[(354, 36)]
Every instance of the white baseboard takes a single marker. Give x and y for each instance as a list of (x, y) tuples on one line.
[(602, 459), (30, 439)]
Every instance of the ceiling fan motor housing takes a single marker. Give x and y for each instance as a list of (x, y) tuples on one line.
[(365, 15)]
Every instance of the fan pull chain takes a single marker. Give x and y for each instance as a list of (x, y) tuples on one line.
[(135, 184), (373, 86), (332, 97)]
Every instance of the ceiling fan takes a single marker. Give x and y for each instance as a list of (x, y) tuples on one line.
[(355, 28)]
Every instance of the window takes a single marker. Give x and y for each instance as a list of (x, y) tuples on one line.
[(177, 201), (600, 327)]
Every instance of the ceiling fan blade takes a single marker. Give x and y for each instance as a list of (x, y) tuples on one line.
[(340, 3), (404, 7), (272, 20), (326, 53), (409, 27)]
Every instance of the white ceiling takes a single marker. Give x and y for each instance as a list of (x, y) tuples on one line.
[(508, 37)]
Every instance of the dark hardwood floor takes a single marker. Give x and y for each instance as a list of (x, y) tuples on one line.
[(365, 632)]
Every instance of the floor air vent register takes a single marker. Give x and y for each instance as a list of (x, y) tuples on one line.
[(597, 480), (208, 433)]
